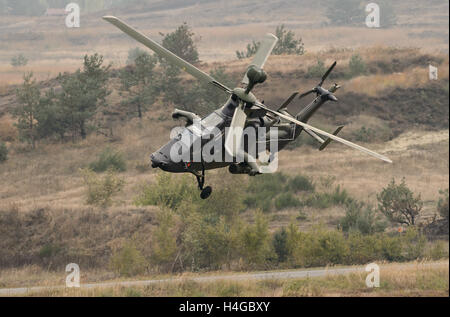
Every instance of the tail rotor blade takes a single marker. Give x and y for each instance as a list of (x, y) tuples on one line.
[(327, 73), (323, 133)]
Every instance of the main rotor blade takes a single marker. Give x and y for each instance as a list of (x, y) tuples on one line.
[(163, 52), (265, 49), (288, 101), (329, 135), (327, 73)]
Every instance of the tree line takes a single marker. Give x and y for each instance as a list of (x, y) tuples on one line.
[(70, 110)]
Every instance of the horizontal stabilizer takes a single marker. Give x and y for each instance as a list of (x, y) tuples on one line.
[(328, 141)]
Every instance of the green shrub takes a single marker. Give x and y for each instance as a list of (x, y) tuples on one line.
[(164, 241), (280, 246), (364, 135), (398, 203), (357, 66), (128, 261), (286, 200), (316, 71), (438, 251), (362, 218), (263, 189), (255, 242), (100, 189), (320, 247), (364, 248), (19, 60), (325, 200), (442, 206), (415, 242), (109, 159), (392, 248), (300, 183), (3, 152), (167, 192), (134, 53)]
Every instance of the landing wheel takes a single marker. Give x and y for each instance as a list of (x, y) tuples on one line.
[(206, 192)]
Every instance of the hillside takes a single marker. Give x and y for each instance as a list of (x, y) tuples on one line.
[(388, 104)]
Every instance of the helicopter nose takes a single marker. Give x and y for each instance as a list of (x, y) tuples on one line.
[(157, 160)]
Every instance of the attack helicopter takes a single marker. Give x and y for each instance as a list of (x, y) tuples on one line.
[(224, 128)]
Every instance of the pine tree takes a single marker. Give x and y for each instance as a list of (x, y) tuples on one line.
[(28, 97)]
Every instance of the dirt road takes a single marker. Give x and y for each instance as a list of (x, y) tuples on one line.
[(292, 274)]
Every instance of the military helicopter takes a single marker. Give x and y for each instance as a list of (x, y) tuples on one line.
[(241, 110)]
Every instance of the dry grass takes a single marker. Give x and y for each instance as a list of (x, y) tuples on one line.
[(413, 279)]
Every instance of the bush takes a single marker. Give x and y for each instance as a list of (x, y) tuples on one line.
[(255, 243), (300, 183), (167, 192), (325, 200), (357, 66), (286, 200), (101, 189), (316, 71), (3, 152), (280, 246), (442, 206), (109, 159), (416, 243), (361, 218), (287, 44), (364, 134), (262, 190), (19, 60), (399, 205), (438, 251), (128, 261), (134, 53), (164, 241)]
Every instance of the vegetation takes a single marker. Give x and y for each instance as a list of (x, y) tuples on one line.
[(357, 66), (81, 96), (134, 53), (3, 152), (363, 218), (100, 189), (83, 93), (28, 97), (412, 279), (398, 203), (19, 60), (181, 43), (139, 84), (442, 206), (128, 261), (109, 159), (287, 44), (316, 71)]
